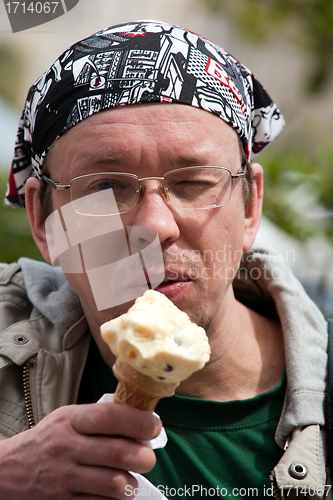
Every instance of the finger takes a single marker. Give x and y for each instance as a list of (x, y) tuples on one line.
[(104, 482), (114, 419), (114, 452)]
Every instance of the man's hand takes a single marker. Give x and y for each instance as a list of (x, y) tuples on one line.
[(78, 451)]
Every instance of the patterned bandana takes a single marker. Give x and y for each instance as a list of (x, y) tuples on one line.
[(139, 62)]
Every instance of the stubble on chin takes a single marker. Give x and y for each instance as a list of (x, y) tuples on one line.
[(194, 270), (201, 318)]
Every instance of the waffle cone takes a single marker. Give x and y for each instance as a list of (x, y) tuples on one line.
[(138, 390)]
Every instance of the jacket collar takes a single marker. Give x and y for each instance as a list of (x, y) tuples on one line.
[(264, 273)]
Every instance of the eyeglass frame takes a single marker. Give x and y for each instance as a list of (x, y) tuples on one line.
[(161, 188)]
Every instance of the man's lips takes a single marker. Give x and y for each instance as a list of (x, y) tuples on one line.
[(175, 284)]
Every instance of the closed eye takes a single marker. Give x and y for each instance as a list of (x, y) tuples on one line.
[(191, 187)]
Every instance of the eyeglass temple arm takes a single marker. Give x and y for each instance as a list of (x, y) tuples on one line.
[(55, 185), (240, 174)]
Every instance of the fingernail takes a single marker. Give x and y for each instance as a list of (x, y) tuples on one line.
[(157, 421)]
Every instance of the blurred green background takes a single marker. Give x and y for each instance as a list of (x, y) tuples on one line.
[(298, 175)]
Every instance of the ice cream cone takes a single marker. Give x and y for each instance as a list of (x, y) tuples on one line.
[(138, 390)]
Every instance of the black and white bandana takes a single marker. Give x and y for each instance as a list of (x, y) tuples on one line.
[(138, 62)]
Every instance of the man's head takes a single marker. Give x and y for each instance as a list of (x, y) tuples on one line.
[(149, 99)]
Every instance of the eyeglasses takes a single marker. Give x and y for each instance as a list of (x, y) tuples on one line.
[(188, 188)]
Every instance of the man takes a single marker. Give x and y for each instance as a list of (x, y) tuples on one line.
[(162, 123)]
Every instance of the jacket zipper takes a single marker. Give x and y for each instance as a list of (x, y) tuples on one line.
[(276, 492), (27, 394)]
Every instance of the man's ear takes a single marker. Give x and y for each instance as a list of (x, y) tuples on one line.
[(254, 208), (36, 216)]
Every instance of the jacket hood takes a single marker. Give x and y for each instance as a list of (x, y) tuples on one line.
[(50, 294), (265, 274)]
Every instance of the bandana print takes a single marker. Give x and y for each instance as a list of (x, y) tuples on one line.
[(139, 62)]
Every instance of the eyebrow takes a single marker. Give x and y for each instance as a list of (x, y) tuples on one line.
[(189, 160), (92, 160)]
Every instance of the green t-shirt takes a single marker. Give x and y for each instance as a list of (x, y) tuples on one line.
[(212, 447)]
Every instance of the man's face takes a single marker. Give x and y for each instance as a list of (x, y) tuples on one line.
[(201, 248)]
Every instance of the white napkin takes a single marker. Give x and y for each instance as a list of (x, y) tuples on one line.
[(145, 488)]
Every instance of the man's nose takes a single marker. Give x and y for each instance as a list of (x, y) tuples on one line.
[(152, 211)]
